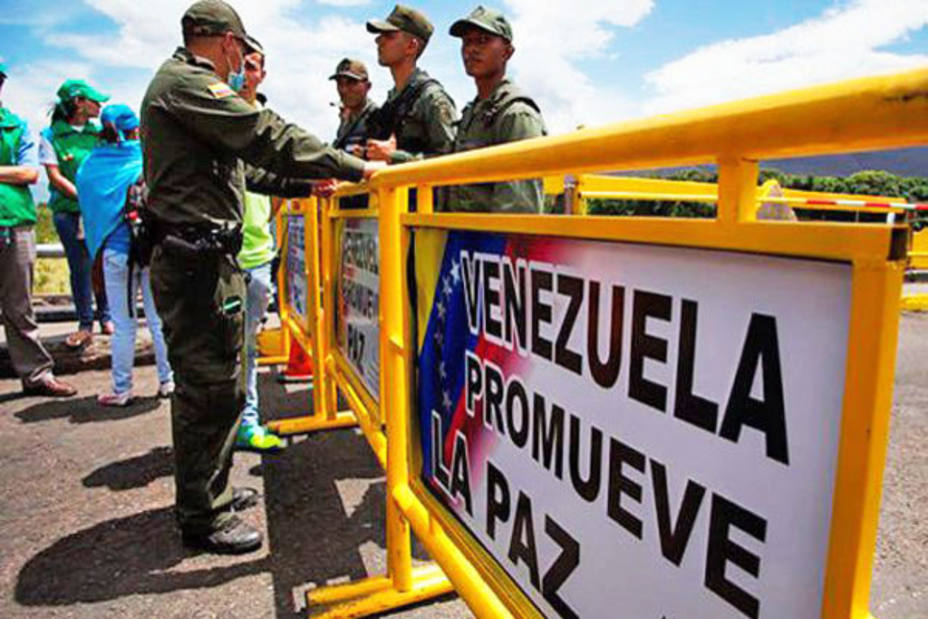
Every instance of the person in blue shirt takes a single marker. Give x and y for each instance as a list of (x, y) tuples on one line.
[(108, 177), (18, 170)]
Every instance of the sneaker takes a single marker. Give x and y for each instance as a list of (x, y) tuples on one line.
[(79, 339), (165, 390), (235, 536), (257, 438), (115, 399)]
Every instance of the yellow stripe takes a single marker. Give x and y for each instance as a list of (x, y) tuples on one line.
[(430, 248)]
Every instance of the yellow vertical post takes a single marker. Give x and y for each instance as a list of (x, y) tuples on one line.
[(393, 379), (329, 304), (864, 437), (425, 202), (737, 190), (282, 312), (314, 262)]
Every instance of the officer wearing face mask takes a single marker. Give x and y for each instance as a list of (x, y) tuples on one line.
[(197, 132)]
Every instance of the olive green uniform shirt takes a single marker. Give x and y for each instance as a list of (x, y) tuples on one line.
[(428, 127), (197, 132), (353, 131), (500, 118)]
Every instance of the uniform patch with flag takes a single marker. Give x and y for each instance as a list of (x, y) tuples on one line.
[(220, 90)]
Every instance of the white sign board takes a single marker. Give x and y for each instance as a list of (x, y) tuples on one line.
[(637, 431), (358, 299), (297, 286)]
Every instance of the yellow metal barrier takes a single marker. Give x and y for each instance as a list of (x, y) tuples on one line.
[(310, 318), (874, 113)]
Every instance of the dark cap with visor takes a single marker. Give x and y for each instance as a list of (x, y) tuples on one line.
[(405, 19), (488, 20), (353, 69), (215, 18)]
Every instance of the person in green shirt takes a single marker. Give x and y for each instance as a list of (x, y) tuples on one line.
[(255, 258), (499, 114), (63, 147), (18, 170)]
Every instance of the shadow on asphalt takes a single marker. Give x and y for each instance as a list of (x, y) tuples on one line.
[(312, 538), (117, 558), (84, 410), (135, 472)]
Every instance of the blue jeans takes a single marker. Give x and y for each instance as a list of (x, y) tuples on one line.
[(259, 291), (116, 275), (79, 265)]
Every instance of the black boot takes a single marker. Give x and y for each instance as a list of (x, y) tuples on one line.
[(235, 536)]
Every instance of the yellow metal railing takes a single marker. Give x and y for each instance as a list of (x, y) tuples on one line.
[(881, 112)]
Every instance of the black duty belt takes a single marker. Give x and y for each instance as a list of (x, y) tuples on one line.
[(199, 239)]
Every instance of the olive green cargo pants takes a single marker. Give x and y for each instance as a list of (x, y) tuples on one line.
[(200, 300)]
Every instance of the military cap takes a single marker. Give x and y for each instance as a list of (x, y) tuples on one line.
[(406, 19), (354, 69), (80, 88), (213, 18), (488, 20)]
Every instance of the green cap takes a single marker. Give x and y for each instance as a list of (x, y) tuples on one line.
[(488, 20), (80, 88), (3, 69), (406, 19), (214, 18), (354, 69)]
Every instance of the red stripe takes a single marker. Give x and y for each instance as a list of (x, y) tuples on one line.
[(822, 202)]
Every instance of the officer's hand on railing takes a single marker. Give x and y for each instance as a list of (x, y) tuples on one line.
[(325, 188), (372, 166), (381, 150)]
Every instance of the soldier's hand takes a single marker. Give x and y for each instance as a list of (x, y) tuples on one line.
[(372, 166), (325, 188), (381, 150)]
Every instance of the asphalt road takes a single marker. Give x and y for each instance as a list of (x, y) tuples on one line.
[(86, 529)]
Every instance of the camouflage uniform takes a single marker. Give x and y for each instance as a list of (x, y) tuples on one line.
[(506, 116), (421, 115)]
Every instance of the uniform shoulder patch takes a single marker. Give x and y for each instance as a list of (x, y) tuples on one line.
[(220, 90)]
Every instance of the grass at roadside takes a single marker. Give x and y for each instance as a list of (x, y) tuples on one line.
[(51, 274)]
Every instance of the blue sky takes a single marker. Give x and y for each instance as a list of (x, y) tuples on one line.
[(586, 61)]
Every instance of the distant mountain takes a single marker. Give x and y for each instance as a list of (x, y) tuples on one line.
[(902, 162)]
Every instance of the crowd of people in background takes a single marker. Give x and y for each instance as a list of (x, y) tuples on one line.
[(185, 221)]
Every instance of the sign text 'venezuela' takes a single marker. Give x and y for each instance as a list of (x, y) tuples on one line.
[(511, 304)]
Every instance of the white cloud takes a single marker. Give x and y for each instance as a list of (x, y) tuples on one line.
[(345, 2), (551, 38), (844, 42), (301, 53)]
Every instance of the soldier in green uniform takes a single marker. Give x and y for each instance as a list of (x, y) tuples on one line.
[(197, 131), (499, 114), (417, 119), (19, 169), (356, 107), (355, 115)]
